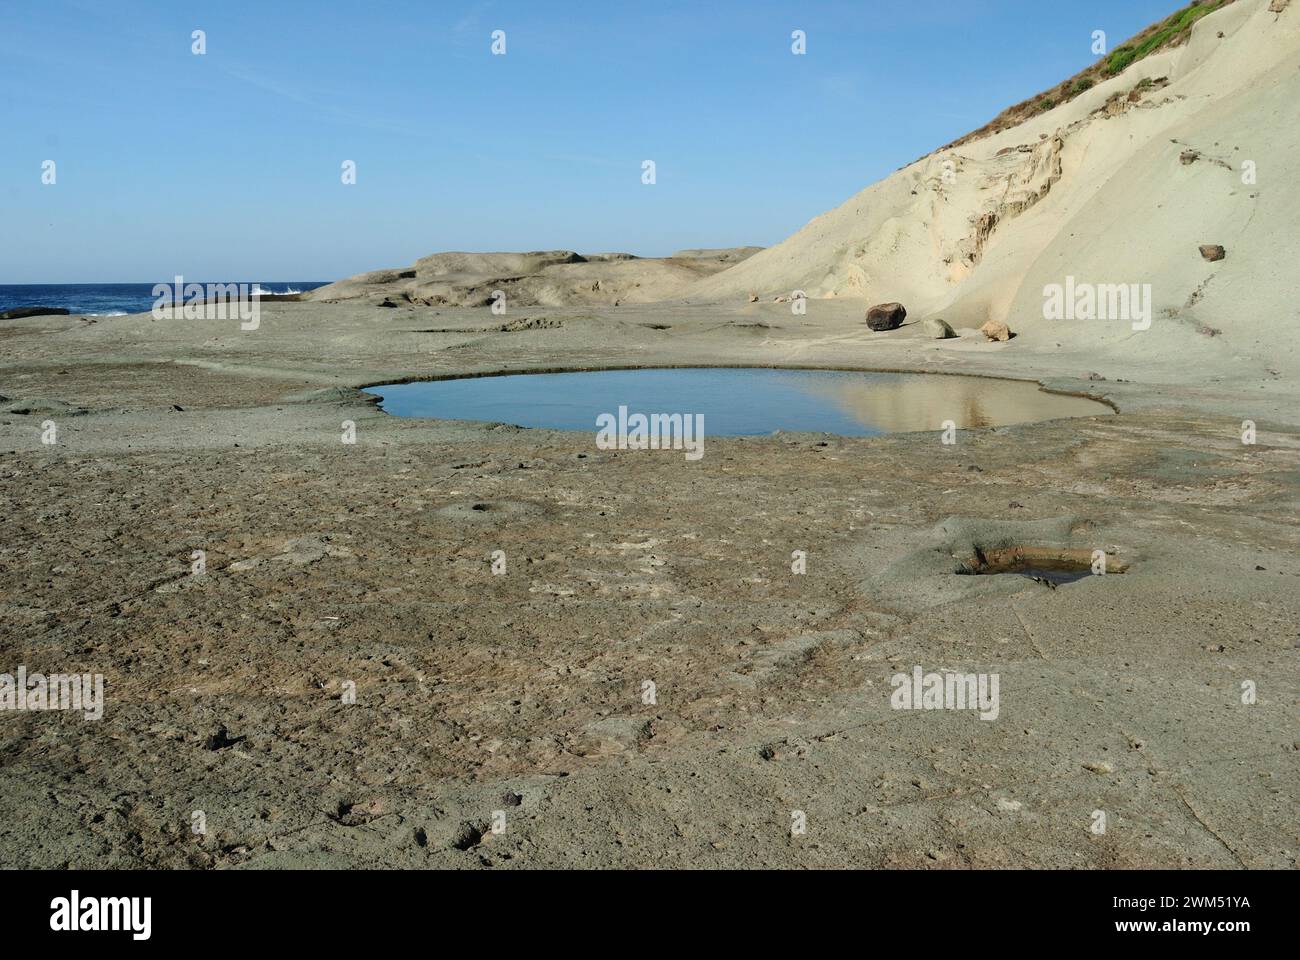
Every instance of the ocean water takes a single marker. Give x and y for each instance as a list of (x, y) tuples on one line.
[(112, 299), (740, 402)]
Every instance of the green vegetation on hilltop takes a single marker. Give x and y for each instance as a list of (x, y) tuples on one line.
[(1173, 30), (1170, 32)]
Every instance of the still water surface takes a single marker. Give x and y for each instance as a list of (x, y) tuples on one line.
[(739, 402)]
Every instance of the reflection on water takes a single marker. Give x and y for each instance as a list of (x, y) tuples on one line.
[(906, 402), (740, 402)]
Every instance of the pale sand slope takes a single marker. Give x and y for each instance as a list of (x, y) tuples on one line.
[(547, 278), (1093, 189)]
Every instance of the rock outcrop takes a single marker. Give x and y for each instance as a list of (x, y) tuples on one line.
[(19, 313), (543, 278)]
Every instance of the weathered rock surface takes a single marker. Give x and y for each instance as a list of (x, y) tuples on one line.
[(937, 329), (540, 278), (364, 574), (886, 316), (996, 330), (18, 313)]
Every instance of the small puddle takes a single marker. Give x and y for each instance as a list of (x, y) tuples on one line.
[(1051, 565), (740, 401)]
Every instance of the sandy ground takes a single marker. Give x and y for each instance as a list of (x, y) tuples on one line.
[(517, 699)]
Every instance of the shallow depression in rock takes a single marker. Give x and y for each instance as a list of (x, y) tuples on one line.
[(1054, 566), (740, 402)]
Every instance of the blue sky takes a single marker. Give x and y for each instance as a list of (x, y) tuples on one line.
[(227, 165)]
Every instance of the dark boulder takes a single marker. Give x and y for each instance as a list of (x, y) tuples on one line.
[(886, 316), (1213, 252)]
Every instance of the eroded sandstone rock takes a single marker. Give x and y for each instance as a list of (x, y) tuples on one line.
[(996, 330)]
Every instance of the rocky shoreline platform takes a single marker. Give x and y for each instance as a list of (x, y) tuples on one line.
[(349, 684)]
